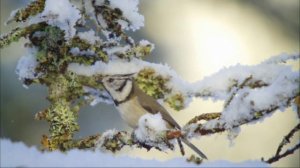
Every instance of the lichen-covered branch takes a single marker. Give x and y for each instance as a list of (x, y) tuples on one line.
[(32, 9), (18, 33), (70, 52), (205, 117)]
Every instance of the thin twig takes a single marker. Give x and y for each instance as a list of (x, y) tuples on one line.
[(287, 138), (83, 10), (286, 153)]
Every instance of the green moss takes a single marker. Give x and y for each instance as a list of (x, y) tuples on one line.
[(176, 101), (101, 55), (258, 114), (62, 119), (79, 43), (194, 159), (62, 114), (138, 52), (152, 83), (142, 51), (76, 42), (41, 56), (117, 141), (52, 39)]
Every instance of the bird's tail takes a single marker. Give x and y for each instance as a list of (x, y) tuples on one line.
[(193, 147), (180, 146)]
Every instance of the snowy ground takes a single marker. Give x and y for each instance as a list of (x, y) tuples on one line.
[(19, 155)]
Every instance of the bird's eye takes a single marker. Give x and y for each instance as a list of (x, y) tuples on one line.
[(110, 80)]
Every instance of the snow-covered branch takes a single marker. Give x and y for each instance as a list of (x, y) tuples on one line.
[(70, 51)]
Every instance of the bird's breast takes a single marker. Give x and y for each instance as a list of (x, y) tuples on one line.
[(131, 111)]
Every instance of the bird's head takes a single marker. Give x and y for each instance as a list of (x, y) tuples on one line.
[(118, 86)]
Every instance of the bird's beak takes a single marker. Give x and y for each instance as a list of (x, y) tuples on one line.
[(99, 78), (131, 74)]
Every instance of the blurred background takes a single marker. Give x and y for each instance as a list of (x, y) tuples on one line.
[(196, 38)]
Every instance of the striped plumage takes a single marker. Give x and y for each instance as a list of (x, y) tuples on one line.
[(132, 103)]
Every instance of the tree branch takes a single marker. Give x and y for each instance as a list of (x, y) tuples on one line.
[(287, 138), (19, 32), (285, 141), (286, 153), (205, 116), (237, 89)]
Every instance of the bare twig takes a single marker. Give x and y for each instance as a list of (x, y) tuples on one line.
[(287, 138), (286, 153), (285, 141), (19, 32)]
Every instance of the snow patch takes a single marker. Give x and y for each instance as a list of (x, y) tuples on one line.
[(26, 65), (19, 155), (130, 11), (147, 43), (149, 126), (60, 13), (89, 36), (77, 52), (282, 58)]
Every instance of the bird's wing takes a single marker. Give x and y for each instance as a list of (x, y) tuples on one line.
[(152, 106)]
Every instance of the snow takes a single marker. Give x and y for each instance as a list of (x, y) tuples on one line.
[(109, 134), (11, 17), (255, 88), (282, 58), (60, 13), (89, 36), (130, 11), (146, 43), (19, 155), (77, 52), (116, 50), (280, 82), (149, 130), (216, 86), (189, 130), (232, 134), (26, 65), (101, 21), (118, 66)]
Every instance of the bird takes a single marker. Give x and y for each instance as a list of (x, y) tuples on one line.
[(132, 103)]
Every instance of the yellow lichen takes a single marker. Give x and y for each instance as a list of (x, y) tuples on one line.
[(152, 83), (176, 101)]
